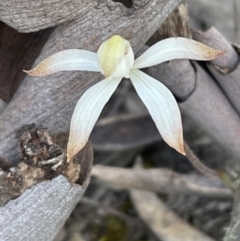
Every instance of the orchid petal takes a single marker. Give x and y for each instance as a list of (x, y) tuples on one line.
[(67, 60), (87, 112), (162, 106), (175, 48)]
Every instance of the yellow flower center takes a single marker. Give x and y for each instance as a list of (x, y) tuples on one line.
[(115, 57)]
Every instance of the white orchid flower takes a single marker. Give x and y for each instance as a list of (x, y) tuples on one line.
[(115, 60)]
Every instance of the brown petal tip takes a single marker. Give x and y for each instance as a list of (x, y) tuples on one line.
[(33, 72), (182, 151), (221, 52), (214, 53)]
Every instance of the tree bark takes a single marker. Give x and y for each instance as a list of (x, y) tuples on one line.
[(40, 211)]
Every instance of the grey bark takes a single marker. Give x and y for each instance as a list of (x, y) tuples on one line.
[(236, 12), (225, 69), (218, 13), (40, 212), (42, 209), (213, 38), (29, 16)]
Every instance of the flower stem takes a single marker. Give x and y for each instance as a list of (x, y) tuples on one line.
[(198, 164)]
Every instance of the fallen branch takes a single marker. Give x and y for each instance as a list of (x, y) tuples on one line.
[(161, 181), (226, 70), (41, 192), (40, 211)]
